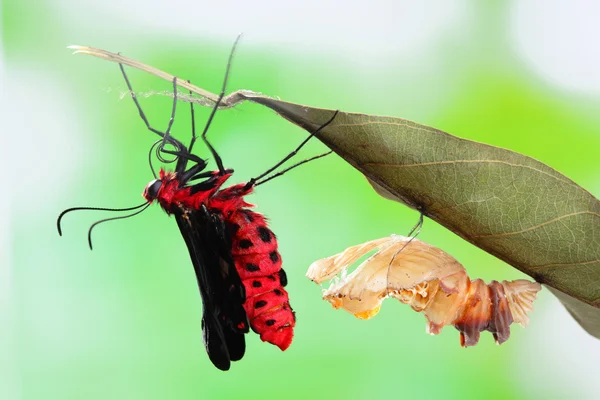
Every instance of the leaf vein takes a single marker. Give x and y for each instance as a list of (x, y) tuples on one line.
[(538, 267), (433, 163), (535, 226)]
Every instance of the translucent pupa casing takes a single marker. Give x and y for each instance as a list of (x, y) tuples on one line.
[(431, 281)]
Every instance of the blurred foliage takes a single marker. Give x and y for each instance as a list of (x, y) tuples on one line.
[(123, 321)]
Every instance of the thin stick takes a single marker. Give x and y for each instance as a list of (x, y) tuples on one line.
[(227, 102)]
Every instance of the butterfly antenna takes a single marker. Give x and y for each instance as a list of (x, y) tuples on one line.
[(68, 210), (112, 219)]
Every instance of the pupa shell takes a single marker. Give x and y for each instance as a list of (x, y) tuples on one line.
[(431, 281)]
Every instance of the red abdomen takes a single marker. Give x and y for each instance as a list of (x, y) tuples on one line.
[(254, 251)]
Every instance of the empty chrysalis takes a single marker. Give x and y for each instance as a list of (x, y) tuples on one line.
[(428, 279)]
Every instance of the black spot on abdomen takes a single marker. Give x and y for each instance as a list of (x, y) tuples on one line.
[(260, 303), (245, 244), (270, 322), (252, 268), (264, 234), (282, 277), (274, 257)]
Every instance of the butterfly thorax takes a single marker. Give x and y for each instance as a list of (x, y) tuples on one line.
[(171, 192)]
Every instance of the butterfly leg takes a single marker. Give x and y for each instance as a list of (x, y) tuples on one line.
[(268, 178), (253, 181), (213, 112), (165, 135)]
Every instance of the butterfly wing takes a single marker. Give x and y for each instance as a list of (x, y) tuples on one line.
[(224, 320)]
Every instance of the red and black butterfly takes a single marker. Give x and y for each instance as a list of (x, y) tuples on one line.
[(234, 253)]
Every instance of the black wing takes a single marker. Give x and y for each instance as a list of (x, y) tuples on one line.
[(224, 320)]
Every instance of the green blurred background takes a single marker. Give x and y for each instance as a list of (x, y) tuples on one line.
[(123, 321)]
